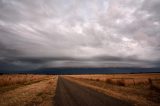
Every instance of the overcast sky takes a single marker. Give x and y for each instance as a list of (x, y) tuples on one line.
[(54, 33)]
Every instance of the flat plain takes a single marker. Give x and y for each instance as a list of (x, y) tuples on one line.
[(80, 90)]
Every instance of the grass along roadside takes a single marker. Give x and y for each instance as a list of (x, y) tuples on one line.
[(139, 97), (152, 79), (11, 79), (45, 98), (36, 94), (6, 88)]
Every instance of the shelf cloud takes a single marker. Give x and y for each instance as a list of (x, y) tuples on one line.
[(79, 33)]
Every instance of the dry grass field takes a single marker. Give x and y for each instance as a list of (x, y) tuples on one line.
[(6, 80), (40, 90), (140, 89), (27, 90), (125, 79)]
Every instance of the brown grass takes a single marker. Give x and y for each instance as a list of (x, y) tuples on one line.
[(125, 79), (139, 89), (39, 92), (6, 80)]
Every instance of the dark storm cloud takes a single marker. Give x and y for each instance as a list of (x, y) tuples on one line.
[(54, 33)]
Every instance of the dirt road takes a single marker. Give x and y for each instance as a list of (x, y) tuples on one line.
[(69, 93)]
